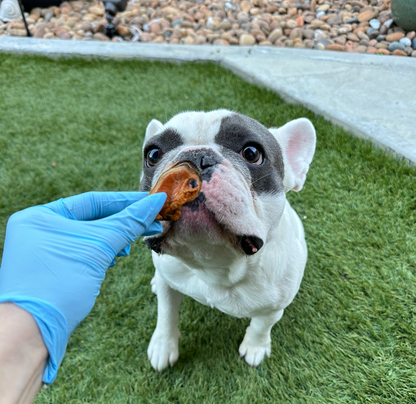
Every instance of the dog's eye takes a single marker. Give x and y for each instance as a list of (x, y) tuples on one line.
[(252, 155), (153, 157)]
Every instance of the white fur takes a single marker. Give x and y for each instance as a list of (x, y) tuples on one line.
[(204, 264)]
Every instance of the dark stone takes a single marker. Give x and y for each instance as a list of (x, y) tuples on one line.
[(352, 20), (373, 33), (383, 30)]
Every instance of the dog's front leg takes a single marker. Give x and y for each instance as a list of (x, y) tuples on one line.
[(163, 347), (257, 341)]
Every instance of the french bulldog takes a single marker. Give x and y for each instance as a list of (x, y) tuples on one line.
[(239, 246)]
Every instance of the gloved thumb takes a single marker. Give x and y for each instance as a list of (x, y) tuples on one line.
[(138, 218)]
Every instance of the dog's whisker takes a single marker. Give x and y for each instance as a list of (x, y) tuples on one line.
[(258, 179)]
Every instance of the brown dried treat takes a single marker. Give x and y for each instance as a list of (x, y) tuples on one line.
[(182, 184)]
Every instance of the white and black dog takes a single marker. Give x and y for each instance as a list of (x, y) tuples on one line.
[(238, 247)]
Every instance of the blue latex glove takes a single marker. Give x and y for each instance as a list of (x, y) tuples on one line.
[(56, 256)]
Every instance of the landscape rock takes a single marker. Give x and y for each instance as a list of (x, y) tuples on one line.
[(366, 16), (336, 47), (399, 52), (396, 46), (247, 40), (395, 36), (406, 42), (338, 25)]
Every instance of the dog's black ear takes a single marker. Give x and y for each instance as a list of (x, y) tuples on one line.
[(153, 127), (297, 140)]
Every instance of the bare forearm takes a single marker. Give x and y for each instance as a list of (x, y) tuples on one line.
[(23, 356)]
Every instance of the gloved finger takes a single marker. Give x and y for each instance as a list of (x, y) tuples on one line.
[(125, 251), (154, 228), (133, 221), (94, 205)]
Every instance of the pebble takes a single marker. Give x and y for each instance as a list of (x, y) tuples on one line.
[(364, 26), (373, 33), (336, 47), (275, 34), (353, 37), (406, 42), (396, 45), (366, 15), (247, 40), (399, 52), (361, 35), (375, 24), (361, 49), (221, 42), (395, 36), (383, 51), (323, 8), (96, 10), (388, 23), (321, 44), (352, 20)]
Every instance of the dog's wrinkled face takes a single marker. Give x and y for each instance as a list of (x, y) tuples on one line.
[(242, 195)]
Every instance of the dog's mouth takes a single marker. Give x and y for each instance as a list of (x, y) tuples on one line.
[(251, 244)]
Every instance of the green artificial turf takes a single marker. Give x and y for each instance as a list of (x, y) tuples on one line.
[(71, 126)]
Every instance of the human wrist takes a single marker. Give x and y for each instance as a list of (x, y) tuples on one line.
[(53, 328), (23, 355)]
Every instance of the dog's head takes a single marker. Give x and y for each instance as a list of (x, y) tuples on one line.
[(246, 171)]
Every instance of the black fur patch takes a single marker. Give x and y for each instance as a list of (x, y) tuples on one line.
[(168, 140), (237, 131)]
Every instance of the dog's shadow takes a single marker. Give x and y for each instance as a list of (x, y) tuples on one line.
[(210, 337)]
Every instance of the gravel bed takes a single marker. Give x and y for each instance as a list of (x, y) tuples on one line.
[(338, 25)]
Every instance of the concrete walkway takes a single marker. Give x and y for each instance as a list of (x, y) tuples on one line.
[(371, 96)]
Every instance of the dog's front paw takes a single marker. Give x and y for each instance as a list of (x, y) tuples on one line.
[(163, 349), (253, 350)]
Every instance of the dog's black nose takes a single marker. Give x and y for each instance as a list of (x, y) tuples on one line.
[(208, 161), (205, 161)]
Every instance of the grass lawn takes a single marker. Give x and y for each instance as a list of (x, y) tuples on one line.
[(71, 126)]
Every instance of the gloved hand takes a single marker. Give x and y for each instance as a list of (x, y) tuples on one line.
[(56, 256)]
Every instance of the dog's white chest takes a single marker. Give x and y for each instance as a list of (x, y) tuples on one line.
[(267, 281), (234, 300)]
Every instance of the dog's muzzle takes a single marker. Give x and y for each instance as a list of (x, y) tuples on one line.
[(205, 160)]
